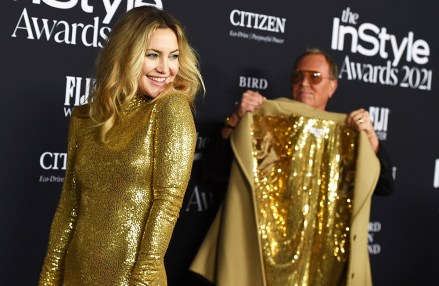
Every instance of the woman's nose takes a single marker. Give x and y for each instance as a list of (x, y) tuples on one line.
[(162, 66)]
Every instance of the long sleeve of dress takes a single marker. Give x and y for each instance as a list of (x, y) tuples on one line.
[(64, 219), (174, 145)]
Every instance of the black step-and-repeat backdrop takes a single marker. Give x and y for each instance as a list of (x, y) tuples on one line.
[(388, 58)]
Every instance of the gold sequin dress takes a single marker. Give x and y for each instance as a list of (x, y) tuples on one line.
[(120, 200)]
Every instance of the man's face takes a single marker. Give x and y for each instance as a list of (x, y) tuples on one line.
[(308, 90)]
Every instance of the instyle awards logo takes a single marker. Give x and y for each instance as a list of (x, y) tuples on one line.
[(380, 119), (89, 34), (251, 25), (404, 59)]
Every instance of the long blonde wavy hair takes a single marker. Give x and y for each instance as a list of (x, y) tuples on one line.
[(119, 65)]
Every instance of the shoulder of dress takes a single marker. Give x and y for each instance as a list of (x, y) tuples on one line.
[(174, 102)]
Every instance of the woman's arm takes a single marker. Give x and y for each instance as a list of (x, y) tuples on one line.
[(64, 220), (174, 146)]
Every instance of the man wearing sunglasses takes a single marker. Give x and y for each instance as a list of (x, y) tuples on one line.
[(314, 81)]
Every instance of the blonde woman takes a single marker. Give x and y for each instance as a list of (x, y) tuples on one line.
[(130, 153)]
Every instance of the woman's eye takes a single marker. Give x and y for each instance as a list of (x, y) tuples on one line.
[(174, 56), (152, 55)]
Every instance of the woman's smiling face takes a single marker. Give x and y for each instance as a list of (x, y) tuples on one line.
[(160, 65)]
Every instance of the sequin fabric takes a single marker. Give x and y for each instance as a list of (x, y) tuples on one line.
[(120, 200), (304, 173)]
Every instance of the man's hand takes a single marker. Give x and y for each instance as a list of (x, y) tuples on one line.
[(250, 101), (360, 120)]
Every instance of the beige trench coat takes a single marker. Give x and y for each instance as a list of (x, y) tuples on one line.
[(230, 254)]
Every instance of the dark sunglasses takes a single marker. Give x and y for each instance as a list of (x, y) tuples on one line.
[(314, 77)]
